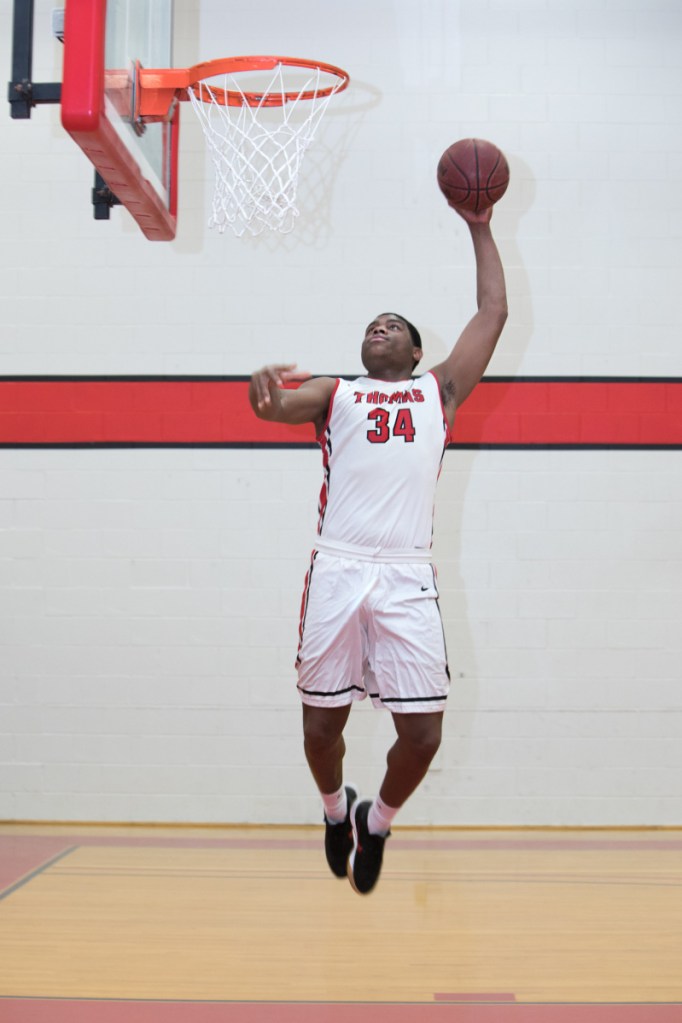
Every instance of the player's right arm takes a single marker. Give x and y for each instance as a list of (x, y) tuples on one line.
[(272, 400)]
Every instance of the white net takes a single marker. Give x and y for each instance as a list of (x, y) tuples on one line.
[(257, 148)]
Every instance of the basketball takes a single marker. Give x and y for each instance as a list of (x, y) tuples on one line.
[(473, 174)]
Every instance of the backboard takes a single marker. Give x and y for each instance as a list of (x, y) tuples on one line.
[(103, 41)]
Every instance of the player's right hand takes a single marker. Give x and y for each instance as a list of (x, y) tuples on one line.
[(481, 217), (265, 381)]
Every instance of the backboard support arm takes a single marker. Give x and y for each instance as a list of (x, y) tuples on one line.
[(23, 93), (102, 198)]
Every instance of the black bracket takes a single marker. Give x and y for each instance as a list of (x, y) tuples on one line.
[(23, 94), (102, 198)]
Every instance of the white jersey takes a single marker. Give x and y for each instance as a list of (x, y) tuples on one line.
[(382, 445)]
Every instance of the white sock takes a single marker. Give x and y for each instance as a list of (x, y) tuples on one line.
[(380, 816), (335, 805)]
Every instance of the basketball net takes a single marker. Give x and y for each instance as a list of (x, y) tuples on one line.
[(257, 145)]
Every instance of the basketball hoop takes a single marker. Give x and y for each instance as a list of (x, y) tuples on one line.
[(257, 136)]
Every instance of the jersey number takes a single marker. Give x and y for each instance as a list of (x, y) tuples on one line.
[(381, 431)]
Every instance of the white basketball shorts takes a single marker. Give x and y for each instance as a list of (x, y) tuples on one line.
[(372, 629)]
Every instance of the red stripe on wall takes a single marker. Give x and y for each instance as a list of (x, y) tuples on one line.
[(576, 413), (136, 412), (177, 411)]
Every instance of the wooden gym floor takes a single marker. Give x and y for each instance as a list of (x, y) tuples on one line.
[(143, 925)]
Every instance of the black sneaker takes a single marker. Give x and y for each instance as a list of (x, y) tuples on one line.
[(364, 862), (338, 838)]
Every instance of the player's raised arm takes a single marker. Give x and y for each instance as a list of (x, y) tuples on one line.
[(467, 362), (272, 400)]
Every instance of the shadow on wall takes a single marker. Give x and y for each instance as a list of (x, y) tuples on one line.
[(464, 700)]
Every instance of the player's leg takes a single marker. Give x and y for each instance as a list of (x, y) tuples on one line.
[(407, 673), (324, 748), (407, 761), (324, 744), (330, 677)]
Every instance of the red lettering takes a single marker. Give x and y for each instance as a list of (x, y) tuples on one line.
[(381, 398), (403, 425), (380, 434)]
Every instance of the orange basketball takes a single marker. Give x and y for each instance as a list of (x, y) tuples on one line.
[(473, 174)]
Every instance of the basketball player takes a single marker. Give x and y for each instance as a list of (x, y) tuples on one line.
[(370, 623)]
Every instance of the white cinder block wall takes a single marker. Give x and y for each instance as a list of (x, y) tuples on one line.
[(149, 598)]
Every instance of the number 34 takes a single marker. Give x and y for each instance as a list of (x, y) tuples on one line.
[(382, 432)]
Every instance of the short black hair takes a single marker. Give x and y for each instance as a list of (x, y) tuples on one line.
[(414, 333)]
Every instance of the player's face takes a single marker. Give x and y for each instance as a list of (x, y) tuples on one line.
[(387, 347)]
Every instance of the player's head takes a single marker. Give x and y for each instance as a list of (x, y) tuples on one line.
[(391, 343)]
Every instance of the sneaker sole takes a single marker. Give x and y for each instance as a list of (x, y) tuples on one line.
[(352, 821), (351, 858)]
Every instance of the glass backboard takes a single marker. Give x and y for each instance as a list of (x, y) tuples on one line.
[(103, 42)]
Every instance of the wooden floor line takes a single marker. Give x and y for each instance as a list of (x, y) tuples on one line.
[(454, 877), (317, 1001), (400, 840), (38, 870)]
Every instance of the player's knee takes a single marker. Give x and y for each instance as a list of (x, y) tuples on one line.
[(423, 739), (321, 729), (426, 747)]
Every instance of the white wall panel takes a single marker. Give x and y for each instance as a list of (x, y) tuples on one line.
[(149, 598)]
